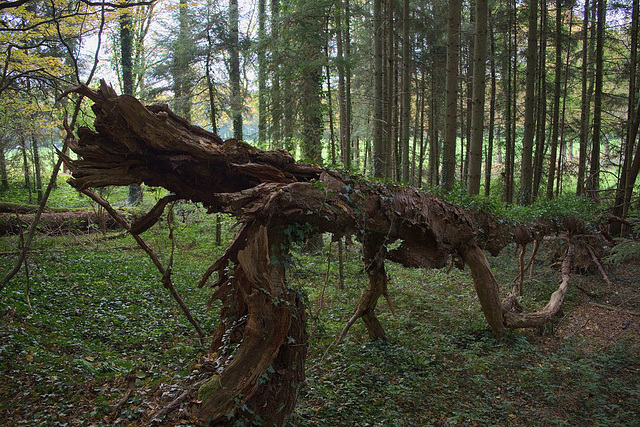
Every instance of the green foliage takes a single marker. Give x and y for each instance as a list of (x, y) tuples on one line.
[(555, 210)]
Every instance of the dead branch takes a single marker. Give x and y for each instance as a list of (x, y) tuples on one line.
[(596, 261)]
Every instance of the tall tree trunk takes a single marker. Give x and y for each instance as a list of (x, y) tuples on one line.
[(508, 164), (182, 58), (542, 105), (555, 123), (492, 117), (347, 93), (126, 59), (564, 109), (466, 111), (311, 108), (390, 95), (593, 183), (406, 91), (585, 116), (416, 129), (463, 134), (213, 115), (434, 151), (479, 84), (262, 72), (378, 162), (340, 60), (276, 109), (621, 205), (126, 53), (453, 52), (332, 141), (289, 117), (514, 100), (344, 79), (529, 106), (234, 70), (511, 66)]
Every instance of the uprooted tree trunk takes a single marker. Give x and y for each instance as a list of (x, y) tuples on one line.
[(260, 345)]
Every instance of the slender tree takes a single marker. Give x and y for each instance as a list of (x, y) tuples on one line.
[(126, 67), (406, 91), (508, 164), (540, 146), (183, 57), (593, 183), (529, 106), (311, 106), (492, 117), (585, 113), (479, 84), (276, 108), (379, 156), (262, 72), (453, 49), (234, 70), (555, 123), (625, 183)]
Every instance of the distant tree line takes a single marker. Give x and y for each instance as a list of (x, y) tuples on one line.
[(515, 100)]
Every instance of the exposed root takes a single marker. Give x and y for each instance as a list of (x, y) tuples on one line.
[(538, 318)]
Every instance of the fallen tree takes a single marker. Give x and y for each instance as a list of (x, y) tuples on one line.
[(260, 343), (78, 221)]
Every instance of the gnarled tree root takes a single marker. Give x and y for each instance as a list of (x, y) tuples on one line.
[(260, 378)]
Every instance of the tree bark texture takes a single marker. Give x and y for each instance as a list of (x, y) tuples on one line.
[(478, 98), (234, 70), (262, 322), (379, 166), (453, 54), (526, 181)]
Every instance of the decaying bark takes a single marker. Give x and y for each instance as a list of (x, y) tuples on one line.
[(59, 222), (260, 344)]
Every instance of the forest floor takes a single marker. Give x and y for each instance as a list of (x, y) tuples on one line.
[(100, 342)]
